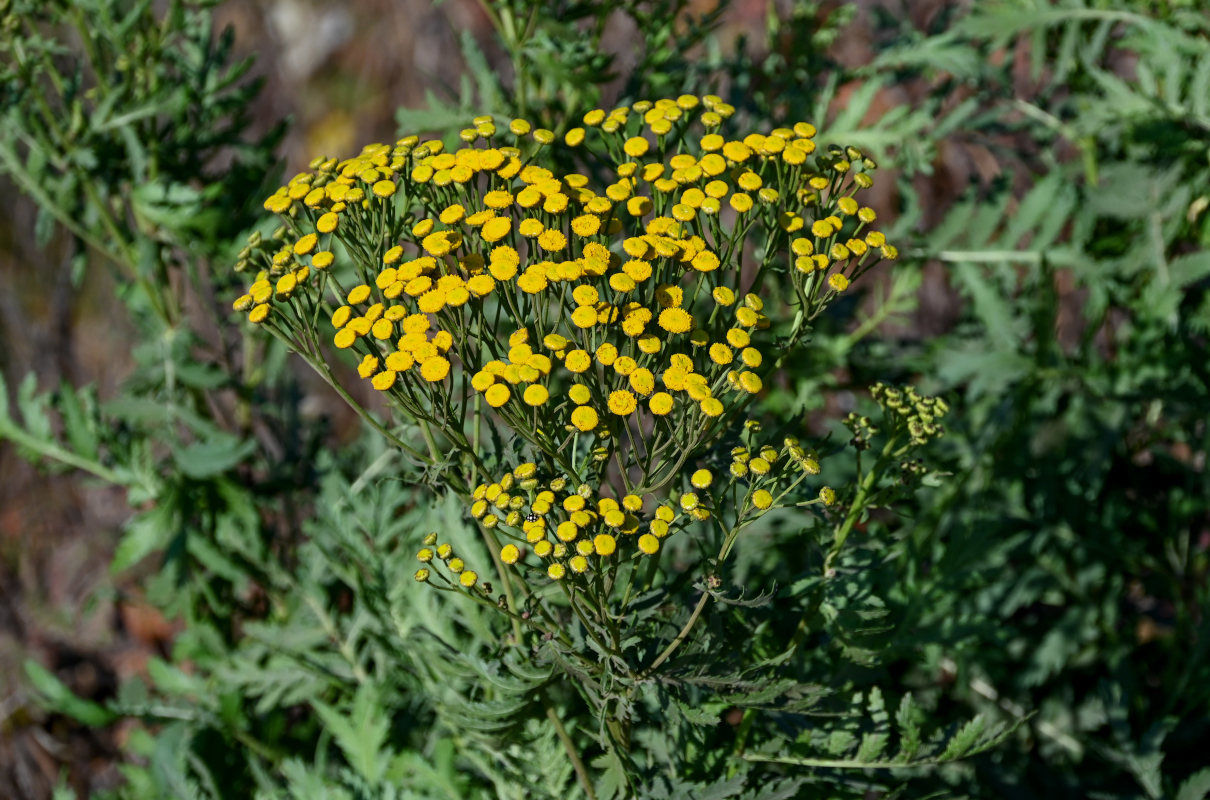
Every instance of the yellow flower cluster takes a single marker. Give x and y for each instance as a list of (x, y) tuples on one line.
[(571, 528), (618, 315), (770, 473), (443, 553)]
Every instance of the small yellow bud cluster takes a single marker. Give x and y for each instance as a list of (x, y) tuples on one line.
[(771, 472), (443, 553), (570, 529), (919, 415)]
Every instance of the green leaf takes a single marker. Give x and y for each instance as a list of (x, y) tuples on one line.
[(79, 426), (307, 782), (213, 456), (437, 117), (991, 305), (145, 533), (1195, 787), (33, 409), (150, 412), (56, 696), (872, 746), (1190, 268), (838, 742), (201, 376), (721, 790), (362, 734), (707, 714), (215, 560), (776, 790), (173, 680), (170, 205), (908, 722), (964, 740)]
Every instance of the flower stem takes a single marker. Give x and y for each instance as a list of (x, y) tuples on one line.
[(576, 762)]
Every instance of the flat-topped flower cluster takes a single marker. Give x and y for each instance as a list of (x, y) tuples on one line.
[(618, 315)]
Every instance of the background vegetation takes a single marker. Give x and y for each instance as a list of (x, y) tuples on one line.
[(1051, 169)]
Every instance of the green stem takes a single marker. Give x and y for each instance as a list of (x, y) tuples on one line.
[(322, 369), (493, 547), (858, 505), (576, 762), (56, 453), (680, 637)]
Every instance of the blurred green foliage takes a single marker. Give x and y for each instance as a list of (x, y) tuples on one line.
[(129, 127), (1054, 584)]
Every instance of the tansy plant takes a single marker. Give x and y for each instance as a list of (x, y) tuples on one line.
[(579, 352)]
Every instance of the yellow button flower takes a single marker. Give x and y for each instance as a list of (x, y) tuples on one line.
[(636, 146), (584, 418), (642, 381), (621, 402), (384, 380), (435, 369), (497, 395), (604, 544), (606, 354), (552, 240), (676, 320), (578, 361), (720, 353), (496, 229), (660, 403), (535, 395)]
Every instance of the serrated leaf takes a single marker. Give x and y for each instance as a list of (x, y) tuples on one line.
[(1189, 268), (33, 409), (75, 406), (839, 742), (306, 782), (201, 376), (485, 77), (909, 728), (361, 733), (872, 746), (964, 740), (721, 790), (436, 117), (707, 714), (1195, 787), (1033, 207), (215, 560), (145, 532), (877, 707), (213, 456), (776, 790), (991, 305)]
